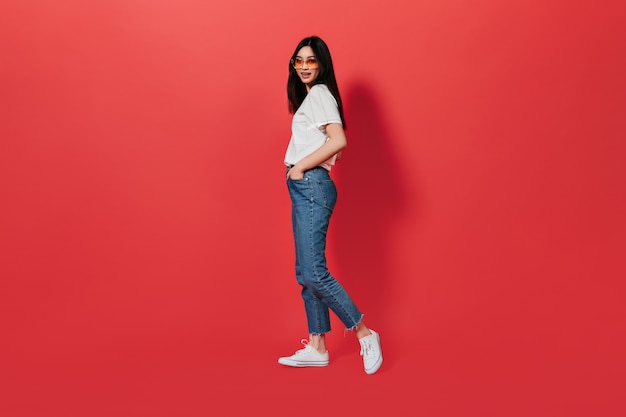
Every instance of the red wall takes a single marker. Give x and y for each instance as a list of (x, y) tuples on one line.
[(480, 219)]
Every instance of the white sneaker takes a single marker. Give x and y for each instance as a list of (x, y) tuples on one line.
[(305, 357), (371, 352)]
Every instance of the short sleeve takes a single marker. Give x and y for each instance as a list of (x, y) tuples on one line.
[(324, 108)]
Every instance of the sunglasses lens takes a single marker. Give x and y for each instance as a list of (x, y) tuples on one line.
[(298, 63)]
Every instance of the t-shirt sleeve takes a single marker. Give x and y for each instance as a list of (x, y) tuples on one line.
[(324, 108)]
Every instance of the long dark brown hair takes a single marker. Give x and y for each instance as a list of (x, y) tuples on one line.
[(296, 90)]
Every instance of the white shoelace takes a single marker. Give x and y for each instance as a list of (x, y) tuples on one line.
[(367, 349), (305, 350)]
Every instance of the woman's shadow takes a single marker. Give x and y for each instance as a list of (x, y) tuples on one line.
[(371, 202)]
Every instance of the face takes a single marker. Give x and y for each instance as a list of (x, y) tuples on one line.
[(306, 66)]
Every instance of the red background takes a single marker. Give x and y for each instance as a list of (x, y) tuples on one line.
[(146, 254)]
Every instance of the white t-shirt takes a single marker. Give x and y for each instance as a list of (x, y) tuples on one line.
[(308, 126)]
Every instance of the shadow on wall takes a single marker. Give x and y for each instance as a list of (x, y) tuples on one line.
[(371, 201)]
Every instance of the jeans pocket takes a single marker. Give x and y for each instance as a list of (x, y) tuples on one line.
[(328, 192)]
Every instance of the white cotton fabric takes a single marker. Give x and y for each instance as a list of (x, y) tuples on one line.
[(308, 126)]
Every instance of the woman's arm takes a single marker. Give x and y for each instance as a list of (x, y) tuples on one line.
[(335, 143)]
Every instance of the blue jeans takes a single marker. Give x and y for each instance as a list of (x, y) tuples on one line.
[(312, 202)]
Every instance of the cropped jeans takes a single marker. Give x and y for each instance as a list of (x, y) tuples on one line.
[(312, 202)]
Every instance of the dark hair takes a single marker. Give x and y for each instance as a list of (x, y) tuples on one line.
[(296, 90)]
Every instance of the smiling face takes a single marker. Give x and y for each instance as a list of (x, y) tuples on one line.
[(306, 66)]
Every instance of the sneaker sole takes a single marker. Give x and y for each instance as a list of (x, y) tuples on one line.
[(297, 364)]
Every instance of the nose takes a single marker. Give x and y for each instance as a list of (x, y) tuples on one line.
[(305, 64)]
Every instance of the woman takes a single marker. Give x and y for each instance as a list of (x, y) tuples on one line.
[(316, 143)]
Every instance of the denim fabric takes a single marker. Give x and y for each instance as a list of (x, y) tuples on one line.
[(312, 201)]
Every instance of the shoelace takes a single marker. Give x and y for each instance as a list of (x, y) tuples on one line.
[(367, 349), (304, 350)]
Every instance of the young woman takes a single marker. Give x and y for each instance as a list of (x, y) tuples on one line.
[(316, 143)]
